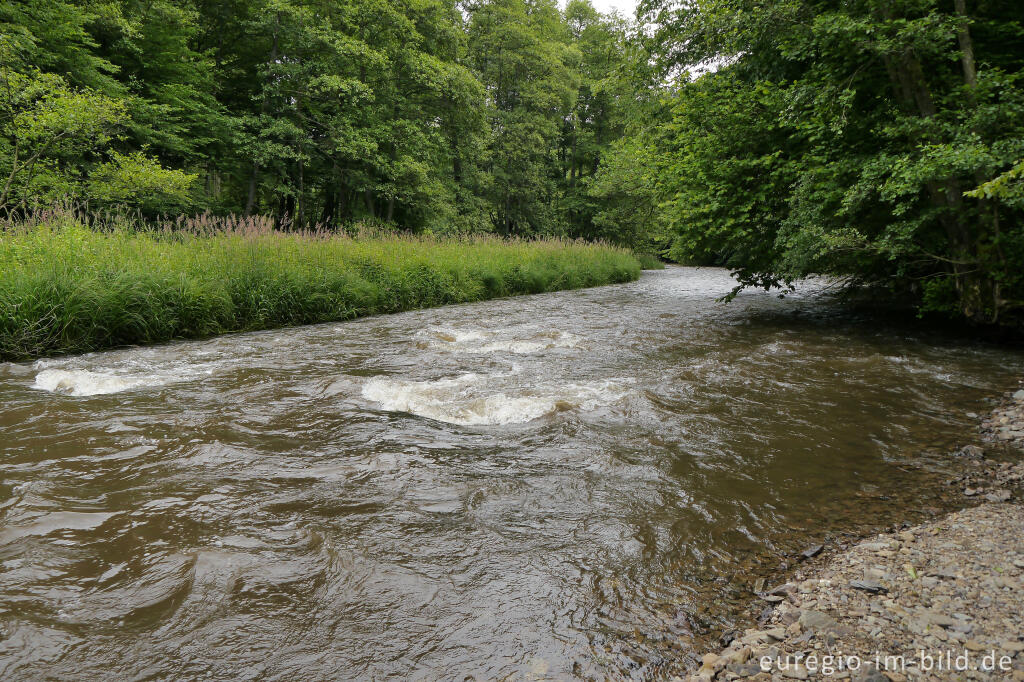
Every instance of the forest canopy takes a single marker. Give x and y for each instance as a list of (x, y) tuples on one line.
[(481, 116), (878, 142)]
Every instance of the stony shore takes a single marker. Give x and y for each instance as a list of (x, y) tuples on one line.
[(943, 600), (1006, 423)]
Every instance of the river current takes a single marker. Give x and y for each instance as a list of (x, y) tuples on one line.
[(569, 485)]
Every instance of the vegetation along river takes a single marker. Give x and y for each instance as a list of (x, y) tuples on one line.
[(569, 484)]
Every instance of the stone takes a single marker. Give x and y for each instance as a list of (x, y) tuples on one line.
[(998, 496), (940, 619), (945, 572), (754, 637), (874, 546), (812, 551), (869, 586), (710, 659), (970, 452), (743, 669), (816, 620), (1019, 395), (783, 590), (953, 583), (920, 626)]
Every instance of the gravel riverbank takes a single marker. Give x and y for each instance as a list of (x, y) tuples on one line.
[(1006, 423), (943, 600)]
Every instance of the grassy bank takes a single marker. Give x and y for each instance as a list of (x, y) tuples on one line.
[(66, 288), (649, 261)]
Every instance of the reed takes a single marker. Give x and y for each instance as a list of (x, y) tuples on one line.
[(70, 284)]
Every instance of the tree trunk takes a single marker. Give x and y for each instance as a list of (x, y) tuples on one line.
[(963, 35), (909, 81), (250, 203), (368, 197), (982, 287), (300, 218)]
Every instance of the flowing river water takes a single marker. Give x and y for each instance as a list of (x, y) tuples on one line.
[(566, 485)]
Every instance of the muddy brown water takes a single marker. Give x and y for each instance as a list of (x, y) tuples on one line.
[(566, 485)]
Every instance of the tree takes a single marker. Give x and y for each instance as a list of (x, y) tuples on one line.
[(520, 50), (423, 114), (850, 139), (57, 128), (47, 127)]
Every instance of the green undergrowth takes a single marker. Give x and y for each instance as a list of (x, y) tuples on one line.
[(66, 288), (649, 261)]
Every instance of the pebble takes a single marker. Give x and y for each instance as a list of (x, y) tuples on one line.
[(964, 594), (1006, 423), (869, 586), (811, 552), (970, 452)]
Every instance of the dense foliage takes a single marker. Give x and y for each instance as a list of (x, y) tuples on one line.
[(66, 287), (880, 141), (491, 115)]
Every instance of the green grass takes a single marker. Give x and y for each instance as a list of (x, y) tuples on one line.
[(649, 261), (66, 288)]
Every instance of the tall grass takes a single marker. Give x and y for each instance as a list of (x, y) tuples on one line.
[(67, 286), (648, 261)]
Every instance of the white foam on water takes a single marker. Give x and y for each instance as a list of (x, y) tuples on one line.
[(81, 382), (126, 369), (511, 340), (467, 401)]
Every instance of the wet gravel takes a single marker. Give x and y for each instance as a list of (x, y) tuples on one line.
[(937, 601), (1006, 423)]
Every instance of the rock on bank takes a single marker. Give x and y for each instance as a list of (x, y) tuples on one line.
[(940, 601)]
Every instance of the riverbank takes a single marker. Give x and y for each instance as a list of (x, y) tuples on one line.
[(1006, 423), (65, 288), (940, 600)]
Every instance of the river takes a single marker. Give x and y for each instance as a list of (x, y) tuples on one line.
[(572, 484)]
